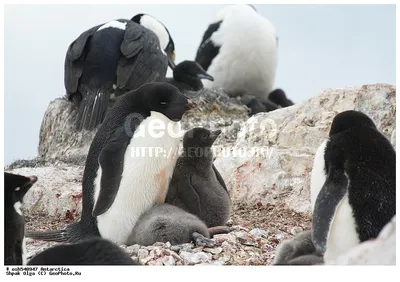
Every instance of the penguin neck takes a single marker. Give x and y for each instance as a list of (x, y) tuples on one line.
[(199, 156), (193, 82)]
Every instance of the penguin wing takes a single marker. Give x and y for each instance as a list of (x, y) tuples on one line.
[(111, 161), (332, 192), (142, 59), (208, 50), (74, 59), (219, 178), (188, 195)]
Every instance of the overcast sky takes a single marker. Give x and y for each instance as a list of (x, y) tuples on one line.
[(319, 47)]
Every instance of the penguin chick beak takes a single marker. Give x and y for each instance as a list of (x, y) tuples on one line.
[(171, 60), (205, 76), (190, 104), (214, 134)]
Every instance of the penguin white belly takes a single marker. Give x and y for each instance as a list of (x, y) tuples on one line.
[(342, 233), (246, 61), (318, 176), (144, 181)]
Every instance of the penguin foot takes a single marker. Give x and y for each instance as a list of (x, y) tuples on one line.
[(201, 241), (219, 230)]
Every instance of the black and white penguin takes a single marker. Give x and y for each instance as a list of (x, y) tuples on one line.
[(240, 51), (196, 185), (168, 223), (298, 251), (112, 58), (187, 76), (129, 164), (353, 185), (95, 251), (15, 188)]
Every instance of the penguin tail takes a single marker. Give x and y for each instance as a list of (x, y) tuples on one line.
[(54, 236), (92, 110)]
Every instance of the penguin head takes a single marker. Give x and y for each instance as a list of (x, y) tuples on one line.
[(191, 73), (16, 186), (166, 99), (200, 137), (162, 32), (350, 119)]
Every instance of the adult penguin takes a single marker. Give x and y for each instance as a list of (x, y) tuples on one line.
[(240, 51), (353, 185), (129, 166), (112, 58)]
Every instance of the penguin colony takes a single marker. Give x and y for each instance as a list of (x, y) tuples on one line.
[(115, 75)]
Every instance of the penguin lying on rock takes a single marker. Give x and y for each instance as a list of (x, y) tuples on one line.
[(95, 251), (353, 185)]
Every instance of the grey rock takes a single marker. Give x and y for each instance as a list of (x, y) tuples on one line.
[(195, 258), (259, 233)]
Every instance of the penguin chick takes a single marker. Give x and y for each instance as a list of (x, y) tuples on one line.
[(196, 185), (96, 251), (187, 76), (168, 223), (300, 250)]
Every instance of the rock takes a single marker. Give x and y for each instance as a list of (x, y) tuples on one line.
[(259, 233), (195, 258), (59, 139), (245, 239), (379, 251), (296, 230), (272, 157)]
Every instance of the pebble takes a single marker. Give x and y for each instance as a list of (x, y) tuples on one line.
[(213, 251), (246, 239), (259, 233), (296, 230), (280, 235), (142, 253), (195, 258)]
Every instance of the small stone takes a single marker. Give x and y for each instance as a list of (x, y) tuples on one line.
[(280, 235), (195, 258), (158, 244), (168, 260), (246, 239), (220, 238), (296, 230), (259, 233), (213, 251), (229, 223), (167, 245), (142, 254), (175, 248), (133, 250)]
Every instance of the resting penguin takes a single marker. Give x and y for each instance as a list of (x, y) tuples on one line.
[(187, 75), (129, 164), (112, 58), (240, 51), (357, 198), (196, 184), (168, 223), (15, 188), (298, 251)]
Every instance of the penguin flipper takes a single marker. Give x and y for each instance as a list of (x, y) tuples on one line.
[(328, 198), (219, 178), (111, 161), (189, 196), (207, 51)]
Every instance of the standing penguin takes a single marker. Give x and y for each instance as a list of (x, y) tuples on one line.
[(129, 166), (112, 58), (240, 50), (357, 169), (15, 188), (196, 184)]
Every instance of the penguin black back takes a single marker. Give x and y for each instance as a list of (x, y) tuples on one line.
[(15, 188), (196, 185), (361, 169)]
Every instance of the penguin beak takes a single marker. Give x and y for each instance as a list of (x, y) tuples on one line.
[(205, 76), (171, 60), (214, 134), (33, 180), (190, 104)]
